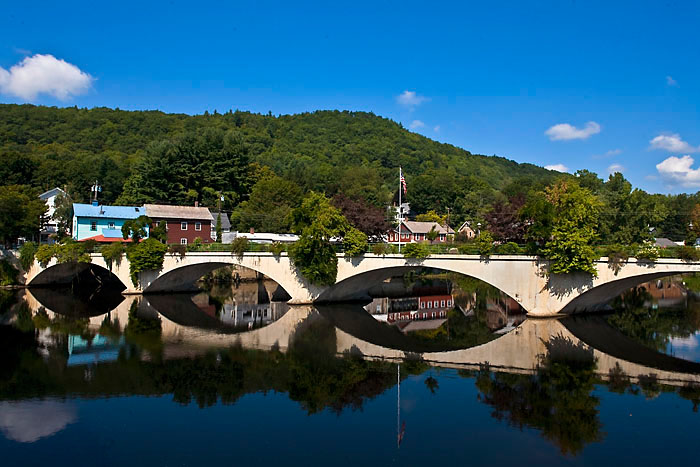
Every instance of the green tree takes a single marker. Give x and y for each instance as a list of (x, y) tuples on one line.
[(627, 214), (63, 214), (21, 211), (136, 229), (317, 221), (571, 214), (432, 216), (218, 228), (269, 207), (160, 232)]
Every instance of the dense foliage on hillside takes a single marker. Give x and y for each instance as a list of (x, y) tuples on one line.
[(354, 153), (263, 165)]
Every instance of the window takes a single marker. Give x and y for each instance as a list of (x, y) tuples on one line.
[(425, 315), (449, 302), (442, 237), (430, 304), (183, 225), (422, 304), (183, 241), (433, 315), (442, 303), (197, 226), (111, 225), (435, 304), (93, 226)]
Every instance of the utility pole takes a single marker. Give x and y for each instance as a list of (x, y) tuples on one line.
[(96, 188), (400, 207)]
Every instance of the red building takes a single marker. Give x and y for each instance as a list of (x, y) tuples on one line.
[(184, 223), (420, 308), (414, 231)]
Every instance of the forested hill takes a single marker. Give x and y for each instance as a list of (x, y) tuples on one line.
[(356, 153)]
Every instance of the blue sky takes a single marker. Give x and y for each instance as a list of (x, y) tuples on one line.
[(615, 85)]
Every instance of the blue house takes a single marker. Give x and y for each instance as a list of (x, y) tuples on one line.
[(102, 223)]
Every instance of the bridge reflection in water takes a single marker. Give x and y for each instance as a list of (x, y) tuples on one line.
[(217, 346), (190, 325)]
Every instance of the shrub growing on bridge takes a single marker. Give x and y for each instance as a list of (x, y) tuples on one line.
[(484, 243), (145, 256), (26, 255), (44, 254), (689, 253), (113, 253), (355, 242), (416, 251), (510, 248), (68, 252), (647, 252)]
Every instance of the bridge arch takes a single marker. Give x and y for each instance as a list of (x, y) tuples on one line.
[(181, 274), (355, 273), (356, 287), (598, 297), (66, 273)]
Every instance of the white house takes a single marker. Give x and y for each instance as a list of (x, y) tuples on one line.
[(48, 225)]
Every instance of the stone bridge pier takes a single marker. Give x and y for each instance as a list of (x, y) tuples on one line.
[(523, 278)]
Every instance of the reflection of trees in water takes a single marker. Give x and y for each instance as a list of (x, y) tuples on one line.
[(459, 331), (653, 327), (557, 400), (310, 372), (144, 331)]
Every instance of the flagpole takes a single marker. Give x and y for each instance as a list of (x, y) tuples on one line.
[(400, 216), (398, 405)]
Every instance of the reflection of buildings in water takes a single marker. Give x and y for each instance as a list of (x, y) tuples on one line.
[(666, 293), (99, 349), (252, 315), (412, 313), (503, 314)]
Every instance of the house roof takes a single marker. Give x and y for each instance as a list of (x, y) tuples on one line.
[(665, 242), (225, 222), (52, 192), (425, 227), (423, 325), (164, 211), (108, 212), (465, 225), (103, 239)]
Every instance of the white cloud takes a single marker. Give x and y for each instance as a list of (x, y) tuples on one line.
[(671, 143), (436, 129), (557, 167), (678, 171), (615, 168), (671, 82), (565, 131), (415, 124), (44, 74), (410, 99)]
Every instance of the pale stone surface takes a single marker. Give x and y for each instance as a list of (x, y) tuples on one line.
[(523, 278)]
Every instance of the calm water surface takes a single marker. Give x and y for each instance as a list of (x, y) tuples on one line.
[(431, 371)]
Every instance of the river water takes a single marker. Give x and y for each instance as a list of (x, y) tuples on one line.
[(434, 370)]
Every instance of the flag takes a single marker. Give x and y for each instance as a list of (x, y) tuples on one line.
[(403, 183), (401, 433)]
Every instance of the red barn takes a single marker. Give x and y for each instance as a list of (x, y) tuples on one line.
[(184, 223)]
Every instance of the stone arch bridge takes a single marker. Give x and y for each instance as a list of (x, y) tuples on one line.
[(523, 278)]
